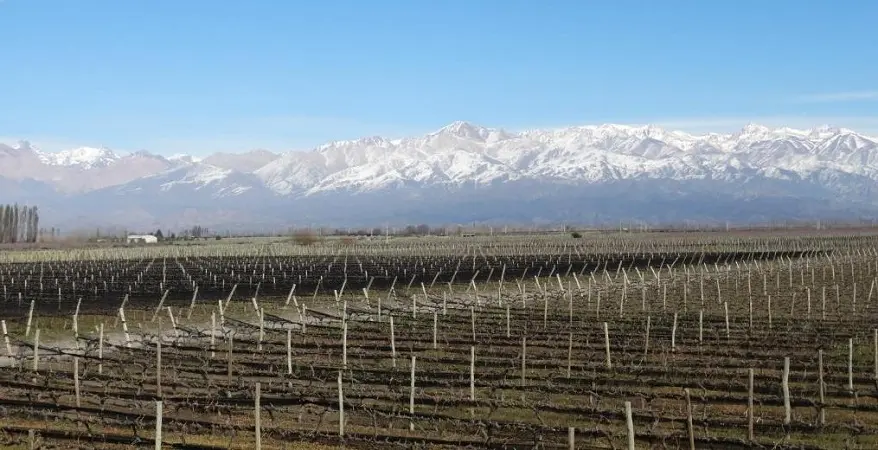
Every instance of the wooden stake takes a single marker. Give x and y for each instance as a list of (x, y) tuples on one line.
[(340, 407), (289, 351), (257, 415), (728, 331), (851, 365), (472, 373), (821, 387), (392, 343), (231, 346), (786, 391), (607, 346), (6, 338), (36, 350), (435, 328), (750, 412), (192, 304), (76, 381), (344, 345), (30, 319), (158, 365), (674, 334), (689, 426), (158, 425), (101, 349), (875, 349), (629, 422), (412, 397)]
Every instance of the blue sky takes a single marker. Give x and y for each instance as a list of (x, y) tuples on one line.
[(199, 76)]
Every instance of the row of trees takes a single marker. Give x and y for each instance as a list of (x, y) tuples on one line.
[(19, 224)]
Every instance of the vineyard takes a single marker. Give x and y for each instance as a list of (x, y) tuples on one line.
[(700, 340)]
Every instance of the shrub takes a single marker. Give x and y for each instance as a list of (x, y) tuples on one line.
[(575, 235), (305, 238)]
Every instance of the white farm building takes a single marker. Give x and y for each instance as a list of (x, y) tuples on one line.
[(142, 238)]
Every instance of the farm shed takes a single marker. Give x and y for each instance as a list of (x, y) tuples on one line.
[(142, 238)]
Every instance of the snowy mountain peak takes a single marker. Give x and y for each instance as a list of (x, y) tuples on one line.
[(24, 145), (465, 130), (82, 157), (184, 159)]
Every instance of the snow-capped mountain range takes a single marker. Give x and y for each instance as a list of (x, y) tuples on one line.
[(462, 173)]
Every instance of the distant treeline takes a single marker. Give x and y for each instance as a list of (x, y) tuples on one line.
[(19, 224)]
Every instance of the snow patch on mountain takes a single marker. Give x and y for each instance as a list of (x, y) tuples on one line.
[(81, 157)]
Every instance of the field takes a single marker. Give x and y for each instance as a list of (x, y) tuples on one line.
[(689, 340)]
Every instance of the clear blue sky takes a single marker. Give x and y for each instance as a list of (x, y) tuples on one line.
[(198, 76)]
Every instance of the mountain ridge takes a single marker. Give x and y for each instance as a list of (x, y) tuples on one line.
[(824, 170)]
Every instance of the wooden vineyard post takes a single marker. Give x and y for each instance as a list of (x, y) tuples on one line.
[(412, 397), (750, 311), (646, 338), (6, 338), (769, 310), (76, 381), (289, 351), (750, 412), (875, 350), (30, 319), (158, 365), (231, 346), (76, 323), (101, 349), (472, 315), (607, 346), (341, 406), (700, 327), (213, 334), (158, 425), (125, 327), (786, 392), (257, 415), (509, 328), (728, 331), (674, 334), (823, 305), (173, 322), (344, 345), (159, 307), (569, 354), (392, 343), (689, 425), (629, 423), (261, 313), (808, 292), (36, 350), (821, 387), (435, 329), (472, 373), (851, 365), (192, 304), (571, 438)]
